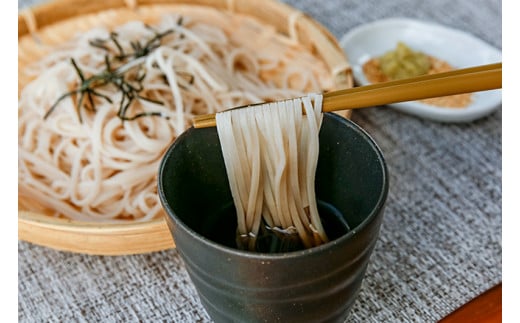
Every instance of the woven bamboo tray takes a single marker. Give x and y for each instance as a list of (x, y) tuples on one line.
[(71, 16)]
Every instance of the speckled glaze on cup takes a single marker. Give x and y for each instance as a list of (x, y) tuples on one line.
[(313, 285)]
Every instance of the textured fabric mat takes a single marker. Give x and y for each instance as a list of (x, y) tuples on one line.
[(440, 242)]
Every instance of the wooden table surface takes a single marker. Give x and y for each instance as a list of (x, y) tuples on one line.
[(486, 308)]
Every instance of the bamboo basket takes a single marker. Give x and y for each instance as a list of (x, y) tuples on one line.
[(57, 20)]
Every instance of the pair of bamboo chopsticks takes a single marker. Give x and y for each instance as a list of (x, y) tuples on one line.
[(473, 79)]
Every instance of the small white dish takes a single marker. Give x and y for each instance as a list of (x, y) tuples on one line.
[(458, 48)]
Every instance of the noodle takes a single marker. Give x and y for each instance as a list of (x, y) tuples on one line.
[(271, 154), (83, 162)]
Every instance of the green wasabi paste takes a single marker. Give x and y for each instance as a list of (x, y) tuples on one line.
[(403, 62)]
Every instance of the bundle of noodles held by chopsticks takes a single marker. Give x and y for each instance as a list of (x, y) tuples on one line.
[(271, 154), (102, 108)]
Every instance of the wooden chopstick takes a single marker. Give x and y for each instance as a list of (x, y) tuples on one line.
[(472, 79)]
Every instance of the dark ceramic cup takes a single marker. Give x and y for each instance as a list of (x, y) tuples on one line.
[(319, 284)]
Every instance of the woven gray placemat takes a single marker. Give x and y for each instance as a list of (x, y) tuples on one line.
[(440, 243)]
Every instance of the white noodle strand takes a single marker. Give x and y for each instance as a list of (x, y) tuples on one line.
[(271, 154), (103, 169)]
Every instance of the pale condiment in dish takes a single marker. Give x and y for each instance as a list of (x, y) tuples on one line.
[(460, 49)]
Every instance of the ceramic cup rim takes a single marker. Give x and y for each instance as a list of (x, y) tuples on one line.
[(377, 209)]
